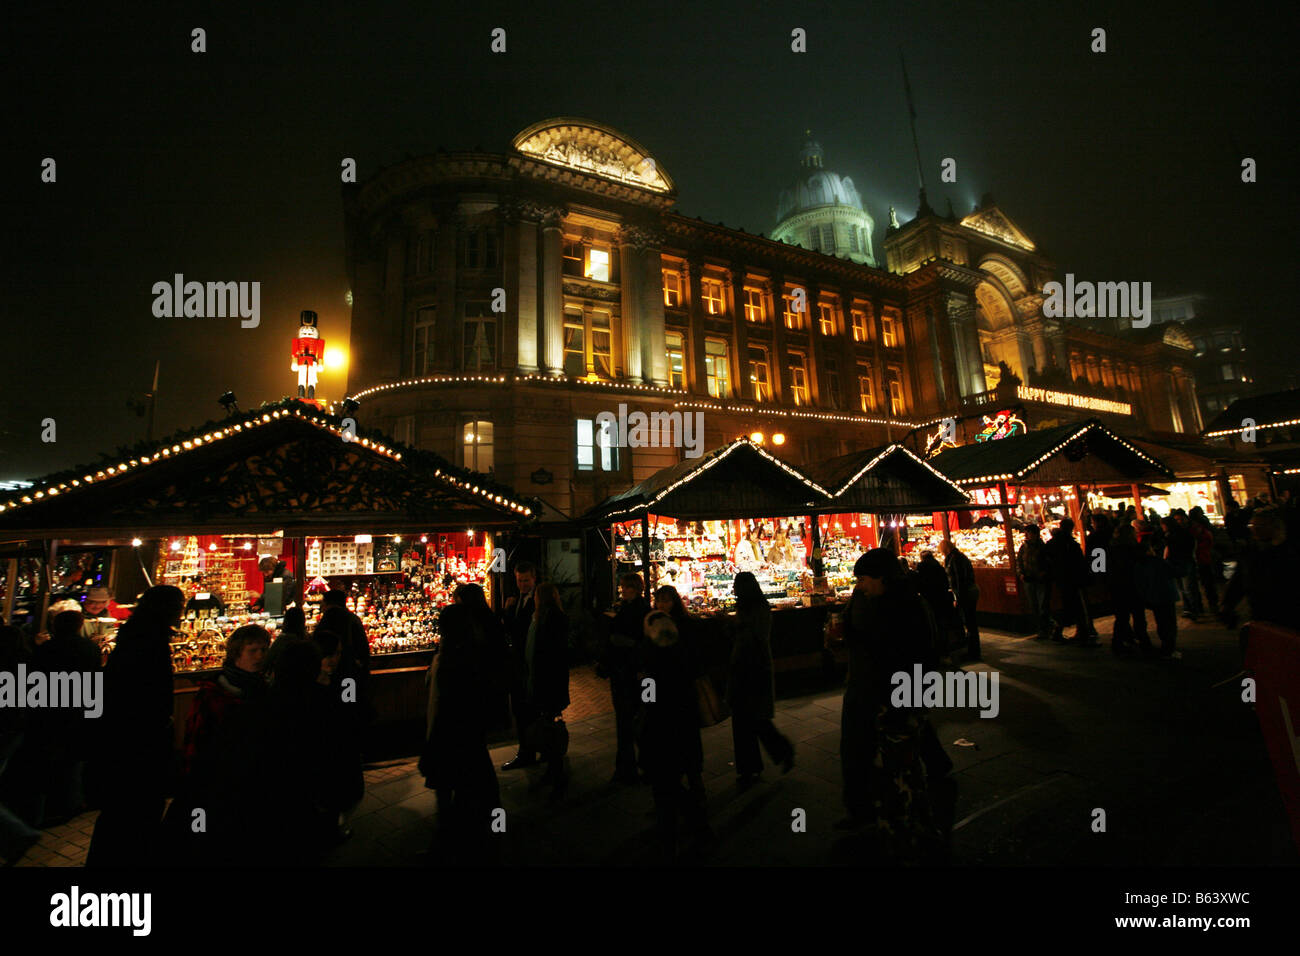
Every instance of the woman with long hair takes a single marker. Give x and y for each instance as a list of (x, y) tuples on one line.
[(751, 687), (131, 769)]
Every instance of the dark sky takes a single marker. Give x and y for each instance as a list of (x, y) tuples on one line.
[(225, 165)]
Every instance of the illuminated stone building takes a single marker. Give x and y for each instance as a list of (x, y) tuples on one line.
[(501, 302)]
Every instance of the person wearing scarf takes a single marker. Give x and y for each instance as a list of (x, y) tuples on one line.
[(216, 734)]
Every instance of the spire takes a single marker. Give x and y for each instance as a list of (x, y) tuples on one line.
[(911, 112), (811, 156)]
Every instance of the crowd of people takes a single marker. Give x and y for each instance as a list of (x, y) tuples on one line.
[(271, 765)]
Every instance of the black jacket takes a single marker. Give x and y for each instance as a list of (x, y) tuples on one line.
[(548, 680), (1064, 560)]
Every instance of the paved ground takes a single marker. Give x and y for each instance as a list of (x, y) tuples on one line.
[(1176, 763)]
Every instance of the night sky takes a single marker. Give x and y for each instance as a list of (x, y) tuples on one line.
[(224, 166)]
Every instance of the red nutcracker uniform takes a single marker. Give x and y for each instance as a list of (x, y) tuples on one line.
[(308, 354)]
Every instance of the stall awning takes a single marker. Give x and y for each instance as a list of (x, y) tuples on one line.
[(1197, 460), (885, 480), (286, 466), (1276, 410), (740, 480), (1077, 453)]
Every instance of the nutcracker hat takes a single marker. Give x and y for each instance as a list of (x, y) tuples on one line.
[(307, 317)]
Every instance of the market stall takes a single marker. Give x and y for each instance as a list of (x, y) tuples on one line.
[(696, 524), (1037, 478), (272, 508)]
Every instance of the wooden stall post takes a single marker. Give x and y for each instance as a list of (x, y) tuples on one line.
[(1006, 525), (645, 554), (300, 565), (47, 583), (947, 526), (815, 554), (1076, 515), (1137, 498), (11, 588)]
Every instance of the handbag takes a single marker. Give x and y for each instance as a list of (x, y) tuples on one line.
[(713, 710), (548, 737)]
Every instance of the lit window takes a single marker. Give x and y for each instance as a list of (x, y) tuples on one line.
[(575, 344), (859, 326), (793, 319), (676, 360), (826, 318), (711, 292), (598, 263), (602, 345), (889, 330), (419, 259), (422, 353), (866, 393), (716, 368), (480, 337), (1229, 373), (478, 447), (798, 378), (754, 306), (814, 239), (672, 289), (594, 450), (853, 239), (894, 380), (759, 373), (828, 239)]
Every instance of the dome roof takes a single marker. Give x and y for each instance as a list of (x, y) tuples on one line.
[(817, 186)]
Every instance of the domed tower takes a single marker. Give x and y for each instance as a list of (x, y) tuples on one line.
[(823, 211)]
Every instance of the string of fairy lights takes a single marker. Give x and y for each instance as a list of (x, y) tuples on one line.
[(895, 449), (255, 420), (1224, 432), (1084, 429)]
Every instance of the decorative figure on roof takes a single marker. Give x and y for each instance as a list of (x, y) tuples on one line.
[(308, 352)]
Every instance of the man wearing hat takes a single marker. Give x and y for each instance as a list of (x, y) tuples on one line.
[(98, 604)]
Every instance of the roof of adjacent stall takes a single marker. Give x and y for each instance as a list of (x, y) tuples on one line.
[(889, 479), (739, 480), (284, 466), (1075, 453), (1275, 410)]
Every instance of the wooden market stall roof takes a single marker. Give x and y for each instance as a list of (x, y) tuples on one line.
[(1075, 453), (889, 479), (285, 466), (740, 480)]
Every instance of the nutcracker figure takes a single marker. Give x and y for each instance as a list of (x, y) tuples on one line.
[(308, 353)]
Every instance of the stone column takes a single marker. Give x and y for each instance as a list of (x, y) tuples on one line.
[(552, 294), (744, 389), (654, 346), (522, 239), (631, 281)]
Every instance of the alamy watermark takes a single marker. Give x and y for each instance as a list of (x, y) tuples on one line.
[(1098, 300), (923, 688), (75, 690), (212, 300), (654, 430), (75, 909)]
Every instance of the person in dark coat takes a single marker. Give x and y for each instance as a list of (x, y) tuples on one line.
[(216, 736), (546, 657), (517, 617), (620, 661), (1180, 555), (293, 629), (57, 740), (1130, 632), (751, 684), (131, 766), (336, 617), (671, 737), (1267, 575), (1157, 584), (1069, 573), (961, 577), (16, 837), (472, 676), (1032, 571), (932, 584)]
